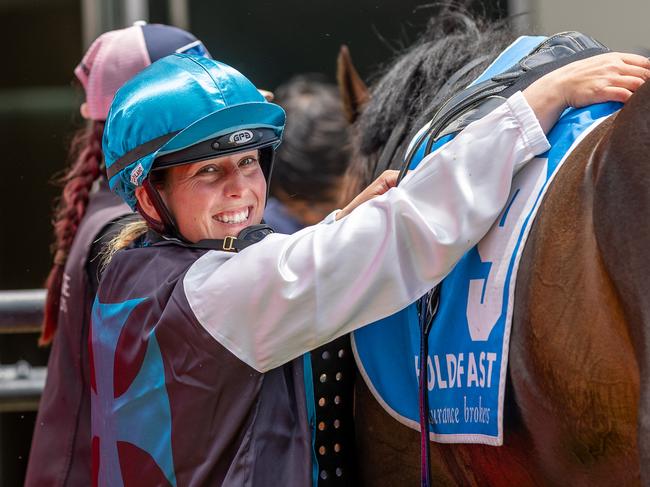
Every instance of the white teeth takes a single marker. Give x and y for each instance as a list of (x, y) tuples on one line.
[(239, 217)]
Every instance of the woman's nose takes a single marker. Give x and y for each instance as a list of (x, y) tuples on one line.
[(235, 184)]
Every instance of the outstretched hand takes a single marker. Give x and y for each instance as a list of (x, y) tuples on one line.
[(607, 77), (385, 181)]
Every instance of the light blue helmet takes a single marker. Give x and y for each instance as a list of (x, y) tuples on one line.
[(184, 109)]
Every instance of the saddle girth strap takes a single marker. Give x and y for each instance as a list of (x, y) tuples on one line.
[(427, 309)]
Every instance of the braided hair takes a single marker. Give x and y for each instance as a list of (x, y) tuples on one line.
[(77, 181)]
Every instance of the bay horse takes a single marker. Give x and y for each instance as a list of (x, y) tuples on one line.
[(577, 408)]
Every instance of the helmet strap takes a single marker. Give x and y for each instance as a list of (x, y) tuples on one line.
[(267, 158), (167, 224)]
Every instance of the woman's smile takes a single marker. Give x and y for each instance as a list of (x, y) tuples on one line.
[(234, 216)]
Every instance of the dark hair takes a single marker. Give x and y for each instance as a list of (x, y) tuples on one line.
[(314, 153), (77, 181), (408, 88)]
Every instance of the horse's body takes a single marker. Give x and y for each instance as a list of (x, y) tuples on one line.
[(577, 403)]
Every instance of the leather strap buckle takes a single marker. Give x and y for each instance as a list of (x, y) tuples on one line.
[(229, 243)]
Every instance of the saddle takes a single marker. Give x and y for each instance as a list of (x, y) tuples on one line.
[(476, 101)]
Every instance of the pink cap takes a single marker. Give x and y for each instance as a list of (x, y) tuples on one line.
[(118, 55)]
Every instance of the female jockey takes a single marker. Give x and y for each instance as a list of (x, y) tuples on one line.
[(60, 452), (198, 331)]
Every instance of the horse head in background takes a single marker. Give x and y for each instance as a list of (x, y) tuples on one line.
[(577, 405)]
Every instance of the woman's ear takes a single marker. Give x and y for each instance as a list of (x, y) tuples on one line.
[(268, 95), (145, 204), (83, 109)]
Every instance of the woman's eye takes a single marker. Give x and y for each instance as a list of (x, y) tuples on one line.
[(247, 161), (207, 170)]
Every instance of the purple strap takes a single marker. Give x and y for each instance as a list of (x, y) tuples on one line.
[(424, 408), (427, 309)]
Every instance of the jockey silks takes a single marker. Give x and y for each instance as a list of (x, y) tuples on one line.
[(173, 407), (60, 452)]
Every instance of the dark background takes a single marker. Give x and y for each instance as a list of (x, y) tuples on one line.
[(42, 43)]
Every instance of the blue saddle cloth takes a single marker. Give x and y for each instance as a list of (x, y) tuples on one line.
[(468, 343)]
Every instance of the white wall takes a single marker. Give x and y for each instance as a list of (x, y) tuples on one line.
[(620, 24)]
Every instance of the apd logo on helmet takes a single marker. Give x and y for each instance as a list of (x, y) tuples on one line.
[(240, 137), (135, 175)]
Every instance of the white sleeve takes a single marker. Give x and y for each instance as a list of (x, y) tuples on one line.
[(292, 293)]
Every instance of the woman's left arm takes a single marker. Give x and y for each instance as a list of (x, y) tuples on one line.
[(292, 293)]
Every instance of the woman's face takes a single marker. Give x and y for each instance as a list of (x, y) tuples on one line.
[(218, 197)]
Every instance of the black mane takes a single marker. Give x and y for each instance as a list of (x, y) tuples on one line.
[(408, 88)]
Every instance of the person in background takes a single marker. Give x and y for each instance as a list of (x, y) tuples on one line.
[(305, 188), (313, 156), (61, 447)]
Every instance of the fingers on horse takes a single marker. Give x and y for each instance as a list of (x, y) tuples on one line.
[(635, 60), (631, 83), (622, 63), (616, 93), (630, 65), (638, 71)]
